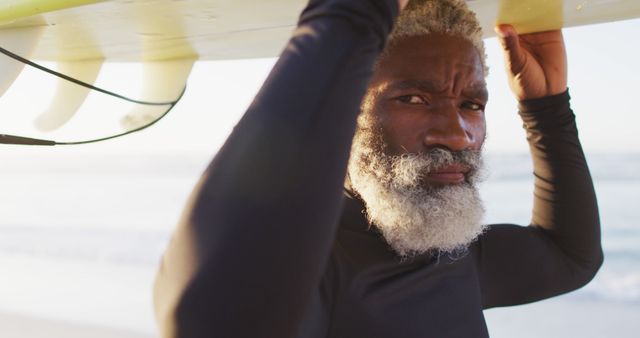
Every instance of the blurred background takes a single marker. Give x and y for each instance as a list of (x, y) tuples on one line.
[(82, 228)]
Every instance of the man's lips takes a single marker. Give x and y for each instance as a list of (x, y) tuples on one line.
[(451, 174)]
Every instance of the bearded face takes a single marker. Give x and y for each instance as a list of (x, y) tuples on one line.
[(413, 215), (416, 156)]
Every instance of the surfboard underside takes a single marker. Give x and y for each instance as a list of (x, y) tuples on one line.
[(209, 30), (168, 36)]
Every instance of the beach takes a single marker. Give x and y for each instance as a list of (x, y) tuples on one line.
[(565, 317), (553, 318), (16, 326), (81, 239)]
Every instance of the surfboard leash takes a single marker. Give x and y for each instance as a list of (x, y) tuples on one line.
[(13, 139)]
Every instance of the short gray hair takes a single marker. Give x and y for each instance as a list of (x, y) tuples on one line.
[(447, 17)]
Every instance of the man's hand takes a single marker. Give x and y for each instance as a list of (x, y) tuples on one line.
[(402, 3), (536, 63)]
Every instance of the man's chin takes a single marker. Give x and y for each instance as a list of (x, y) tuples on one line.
[(445, 218)]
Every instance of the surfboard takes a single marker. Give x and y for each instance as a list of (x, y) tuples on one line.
[(168, 36)]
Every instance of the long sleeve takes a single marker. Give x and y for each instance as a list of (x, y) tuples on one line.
[(257, 233), (560, 251)]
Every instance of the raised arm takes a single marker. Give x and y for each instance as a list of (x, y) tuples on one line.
[(560, 251), (256, 236)]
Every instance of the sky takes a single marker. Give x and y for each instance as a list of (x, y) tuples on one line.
[(603, 79)]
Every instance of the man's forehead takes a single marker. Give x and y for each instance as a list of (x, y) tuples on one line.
[(436, 45), (431, 43), (432, 55), (429, 85)]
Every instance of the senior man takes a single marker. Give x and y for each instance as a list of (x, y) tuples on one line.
[(274, 243)]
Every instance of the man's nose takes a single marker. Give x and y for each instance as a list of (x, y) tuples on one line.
[(448, 130)]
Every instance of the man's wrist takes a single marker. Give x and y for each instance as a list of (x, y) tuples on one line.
[(544, 103), (547, 113)]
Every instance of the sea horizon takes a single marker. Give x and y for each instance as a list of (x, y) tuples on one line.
[(82, 236)]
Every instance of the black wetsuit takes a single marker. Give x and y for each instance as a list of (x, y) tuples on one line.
[(270, 247)]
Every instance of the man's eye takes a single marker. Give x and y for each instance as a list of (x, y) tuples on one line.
[(411, 99), (472, 106)]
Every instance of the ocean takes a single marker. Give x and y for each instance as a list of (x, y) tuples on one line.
[(81, 237)]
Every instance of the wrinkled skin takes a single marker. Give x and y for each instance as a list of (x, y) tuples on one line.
[(429, 92)]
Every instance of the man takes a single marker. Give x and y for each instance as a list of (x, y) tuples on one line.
[(270, 247)]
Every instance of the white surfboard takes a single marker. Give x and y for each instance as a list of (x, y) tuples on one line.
[(169, 36)]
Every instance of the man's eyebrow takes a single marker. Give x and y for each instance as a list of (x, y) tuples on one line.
[(478, 90), (422, 85)]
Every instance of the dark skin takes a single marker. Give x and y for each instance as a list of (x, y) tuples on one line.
[(536, 63), (429, 91), (428, 97)]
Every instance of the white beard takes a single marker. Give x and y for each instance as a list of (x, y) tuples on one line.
[(412, 217)]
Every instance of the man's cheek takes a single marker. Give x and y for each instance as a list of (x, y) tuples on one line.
[(391, 145)]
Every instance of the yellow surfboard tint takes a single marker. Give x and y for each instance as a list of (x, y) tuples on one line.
[(531, 15), (11, 10), (152, 30), (163, 34)]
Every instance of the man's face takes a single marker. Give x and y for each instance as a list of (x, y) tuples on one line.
[(416, 153), (429, 92)]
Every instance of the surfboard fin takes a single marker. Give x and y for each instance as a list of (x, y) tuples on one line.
[(69, 96), (163, 80), (21, 41)]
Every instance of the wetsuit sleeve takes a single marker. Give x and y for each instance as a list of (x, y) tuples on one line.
[(257, 233), (560, 251)]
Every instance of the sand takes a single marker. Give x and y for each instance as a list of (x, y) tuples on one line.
[(19, 326), (551, 318), (562, 317)]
